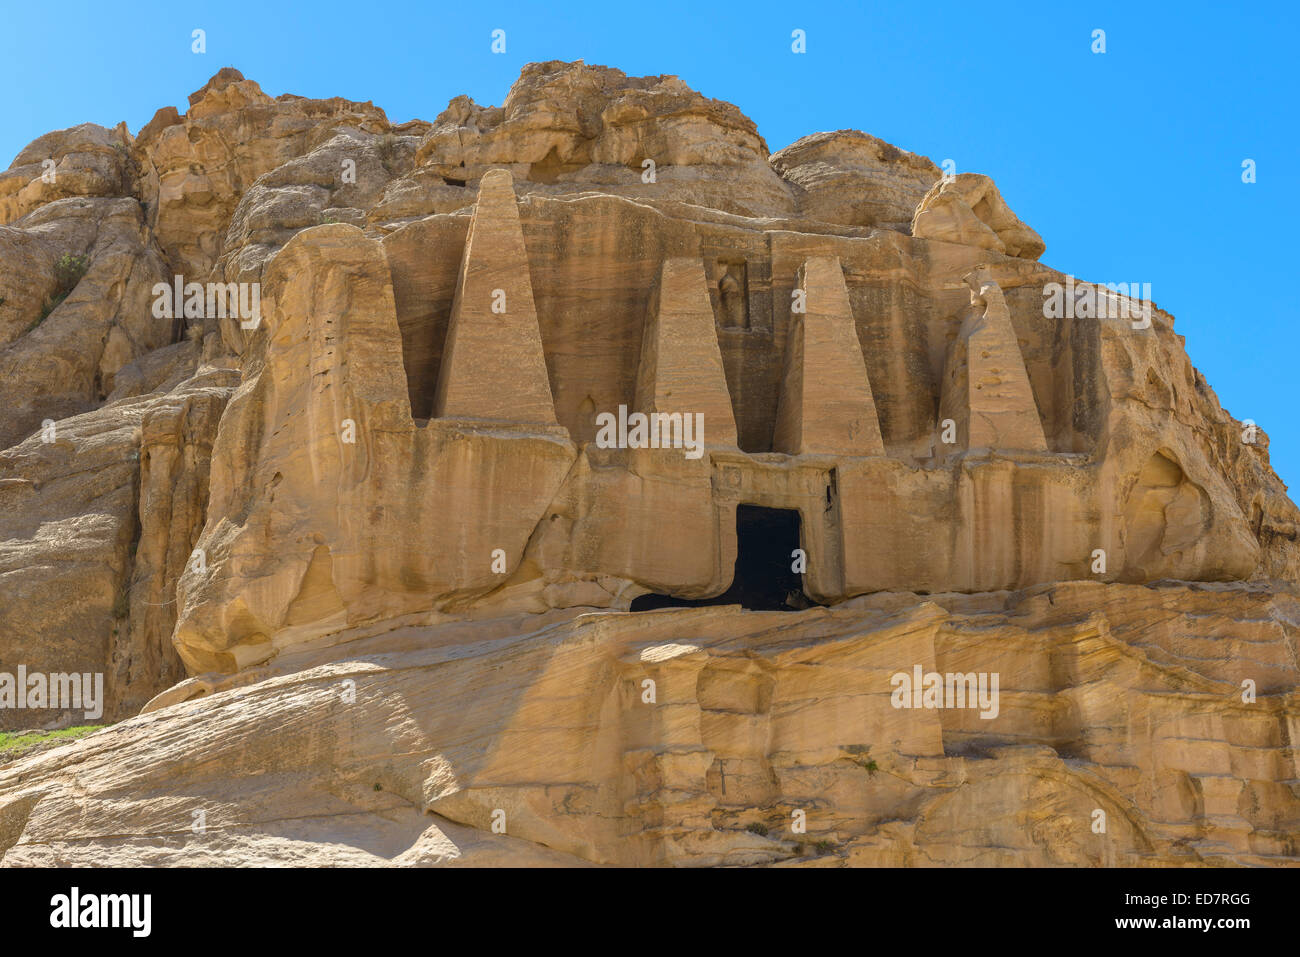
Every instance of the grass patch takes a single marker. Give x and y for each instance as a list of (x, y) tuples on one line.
[(390, 148), (862, 758), (14, 744), (46, 308)]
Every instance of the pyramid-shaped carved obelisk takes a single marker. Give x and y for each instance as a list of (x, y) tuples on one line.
[(826, 404), (681, 367), (986, 390), (493, 366)]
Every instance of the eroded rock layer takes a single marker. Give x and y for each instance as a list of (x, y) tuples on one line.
[(701, 736)]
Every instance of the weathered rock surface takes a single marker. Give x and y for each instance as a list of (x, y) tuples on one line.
[(967, 208), (1119, 699), (98, 517), (64, 360), (854, 179), (197, 167), (378, 580), (86, 160), (573, 127)]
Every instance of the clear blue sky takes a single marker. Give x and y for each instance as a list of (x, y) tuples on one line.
[(1128, 163)]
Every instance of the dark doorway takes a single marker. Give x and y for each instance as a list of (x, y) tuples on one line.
[(764, 580)]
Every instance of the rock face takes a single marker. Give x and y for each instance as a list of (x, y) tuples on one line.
[(378, 507), (404, 750), (853, 179)]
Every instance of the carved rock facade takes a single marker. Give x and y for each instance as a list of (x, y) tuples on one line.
[(400, 480)]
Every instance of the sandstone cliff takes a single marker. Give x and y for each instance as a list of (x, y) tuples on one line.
[(395, 599)]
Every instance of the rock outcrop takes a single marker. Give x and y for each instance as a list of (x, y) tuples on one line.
[(364, 460), (967, 208), (716, 736)]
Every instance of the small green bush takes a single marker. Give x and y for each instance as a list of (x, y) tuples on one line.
[(67, 273), (69, 270)]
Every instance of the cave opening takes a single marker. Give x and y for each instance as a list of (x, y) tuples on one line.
[(765, 580)]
